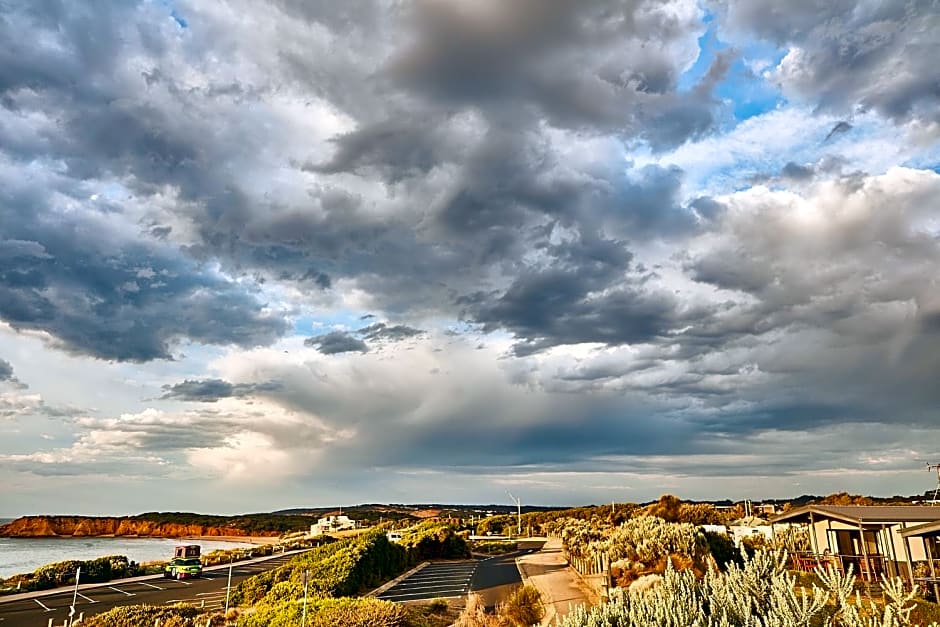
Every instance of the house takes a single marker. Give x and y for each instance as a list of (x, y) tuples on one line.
[(929, 534), (873, 540), (332, 524)]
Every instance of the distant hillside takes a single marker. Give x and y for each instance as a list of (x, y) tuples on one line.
[(375, 512)]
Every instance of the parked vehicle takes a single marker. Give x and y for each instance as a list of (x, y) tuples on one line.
[(185, 563), (183, 568)]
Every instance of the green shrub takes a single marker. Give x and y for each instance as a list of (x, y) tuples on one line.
[(434, 540), (146, 616), (925, 612), (494, 548), (345, 612), (523, 607), (342, 568)]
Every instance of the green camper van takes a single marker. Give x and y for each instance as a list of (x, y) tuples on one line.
[(185, 563)]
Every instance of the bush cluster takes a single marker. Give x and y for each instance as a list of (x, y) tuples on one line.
[(494, 548), (352, 565), (758, 594), (133, 615), (63, 573)]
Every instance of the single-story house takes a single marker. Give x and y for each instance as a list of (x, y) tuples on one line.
[(872, 539), (332, 524)]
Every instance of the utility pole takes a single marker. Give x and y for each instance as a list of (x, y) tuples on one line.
[(518, 503)]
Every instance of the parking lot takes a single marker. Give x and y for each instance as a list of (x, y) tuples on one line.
[(206, 591), (444, 580)]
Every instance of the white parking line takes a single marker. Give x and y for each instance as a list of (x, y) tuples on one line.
[(48, 609), (86, 598), (144, 583), (441, 593), (130, 594), (207, 594)]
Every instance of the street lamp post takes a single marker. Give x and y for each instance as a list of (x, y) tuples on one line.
[(518, 503), (78, 574), (228, 587)]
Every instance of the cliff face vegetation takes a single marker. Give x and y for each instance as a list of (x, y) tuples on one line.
[(49, 526)]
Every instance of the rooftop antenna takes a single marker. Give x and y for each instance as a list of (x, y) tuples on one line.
[(936, 491)]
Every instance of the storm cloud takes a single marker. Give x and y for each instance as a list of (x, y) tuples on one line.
[(6, 371), (211, 390)]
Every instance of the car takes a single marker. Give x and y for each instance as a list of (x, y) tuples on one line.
[(183, 568)]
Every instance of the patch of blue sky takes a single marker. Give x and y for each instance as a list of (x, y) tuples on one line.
[(746, 85), (177, 17), (756, 150), (346, 320), (708, 45), (750, 94)]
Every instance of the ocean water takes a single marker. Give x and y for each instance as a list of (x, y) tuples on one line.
[(24, 555)]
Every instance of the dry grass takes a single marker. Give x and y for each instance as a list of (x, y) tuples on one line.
[(523, 608)]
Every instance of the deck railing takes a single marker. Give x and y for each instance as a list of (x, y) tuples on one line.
[(869, 568)]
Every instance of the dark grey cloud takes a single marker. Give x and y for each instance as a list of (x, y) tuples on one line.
[(336, 342), (797, 172), (6, 371), (211, 390), (586, 67), (99, 294), (588, 294), (597, 64), (396, 332), (838, 129), (844, 55)]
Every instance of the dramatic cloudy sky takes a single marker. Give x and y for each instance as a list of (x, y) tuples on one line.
[(263, 255)]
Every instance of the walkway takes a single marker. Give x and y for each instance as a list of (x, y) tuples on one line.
[(559, 585)]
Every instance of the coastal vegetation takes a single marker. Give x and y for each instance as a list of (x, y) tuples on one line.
[(63, 573), (759, 593), (336, 571)]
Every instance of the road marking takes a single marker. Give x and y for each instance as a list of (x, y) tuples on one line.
[(144, 583), (130, 594), (206, 594), (442, 594), (185, 583), (48, 609), (86, 598)]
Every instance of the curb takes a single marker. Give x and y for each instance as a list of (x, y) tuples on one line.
[(389, 584), (548, 603)]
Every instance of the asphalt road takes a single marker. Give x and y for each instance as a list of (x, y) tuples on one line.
[(208, 589), (448, 580)]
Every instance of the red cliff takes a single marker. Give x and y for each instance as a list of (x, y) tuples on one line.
[(51, 526)]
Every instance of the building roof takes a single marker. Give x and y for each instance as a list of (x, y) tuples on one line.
[(861, 514), (928, 529)]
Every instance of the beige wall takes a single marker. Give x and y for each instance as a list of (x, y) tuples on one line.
[(825, 540)]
